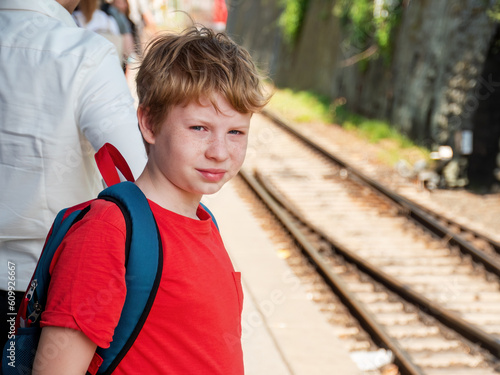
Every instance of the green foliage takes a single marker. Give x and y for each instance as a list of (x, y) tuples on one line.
[(292, 18), (360, 14), (370, 22), (375, 130), (302, 106), (366, 21), (385, 26), (494, 11), (308, 107), (395, 146)]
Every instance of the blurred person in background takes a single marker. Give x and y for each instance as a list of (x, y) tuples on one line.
[(144, 23), (119, 10), (220, 15), (90, 17), (63, 95)]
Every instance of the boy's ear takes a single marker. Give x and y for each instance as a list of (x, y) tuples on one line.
[(145, 125)]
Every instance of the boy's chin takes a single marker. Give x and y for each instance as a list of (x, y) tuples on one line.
[(212, 189)]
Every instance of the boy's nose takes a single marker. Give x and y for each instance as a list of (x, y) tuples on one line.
[(217, 149)]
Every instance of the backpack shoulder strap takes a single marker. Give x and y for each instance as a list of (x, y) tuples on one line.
[(28, 328), (143, 254), (35, 298)]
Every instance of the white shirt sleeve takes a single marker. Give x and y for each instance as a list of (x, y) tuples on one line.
[(107, 112)]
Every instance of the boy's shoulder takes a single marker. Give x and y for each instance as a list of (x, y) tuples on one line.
[(101, 210)]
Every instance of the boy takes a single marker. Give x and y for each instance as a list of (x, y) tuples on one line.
[(197, 92)]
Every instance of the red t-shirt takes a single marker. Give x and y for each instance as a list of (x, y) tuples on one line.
[(194, 326)]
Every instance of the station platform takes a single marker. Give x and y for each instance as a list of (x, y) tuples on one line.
[(283, 332)]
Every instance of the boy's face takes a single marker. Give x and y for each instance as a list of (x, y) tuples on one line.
[(197, 149)]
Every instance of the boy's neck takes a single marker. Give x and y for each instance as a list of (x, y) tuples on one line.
[(168, 196)]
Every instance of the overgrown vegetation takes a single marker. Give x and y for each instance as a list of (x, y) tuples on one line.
[(302, 106), (494, 11), (292, 18), (356, 16), (370, 22), (306, 107), (395, 145)]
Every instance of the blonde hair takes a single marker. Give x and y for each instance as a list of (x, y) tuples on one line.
[(180, 68)]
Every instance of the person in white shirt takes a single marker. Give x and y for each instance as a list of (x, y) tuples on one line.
[(118, 10), (63, 95), (100, 21), (88, 16)]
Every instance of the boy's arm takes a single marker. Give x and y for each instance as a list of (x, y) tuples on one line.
[(63, 351)]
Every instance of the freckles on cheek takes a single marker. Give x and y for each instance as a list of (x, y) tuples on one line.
[(241, 158), (239, 151), (188, 143)]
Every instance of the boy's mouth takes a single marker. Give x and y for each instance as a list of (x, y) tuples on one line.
[(212, 175)]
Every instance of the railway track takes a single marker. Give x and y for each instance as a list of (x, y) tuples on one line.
[(441, 226), (379, 237)]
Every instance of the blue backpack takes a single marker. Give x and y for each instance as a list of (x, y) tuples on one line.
[(143, 262)]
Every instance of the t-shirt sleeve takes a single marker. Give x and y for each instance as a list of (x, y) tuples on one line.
[(87, 289)]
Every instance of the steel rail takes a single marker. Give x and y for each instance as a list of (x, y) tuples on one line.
[(418, 213), (494, 244), (366, 319), (448, 318)]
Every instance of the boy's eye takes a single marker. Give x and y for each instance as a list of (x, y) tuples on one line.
[(235, 132), (197, 127)]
